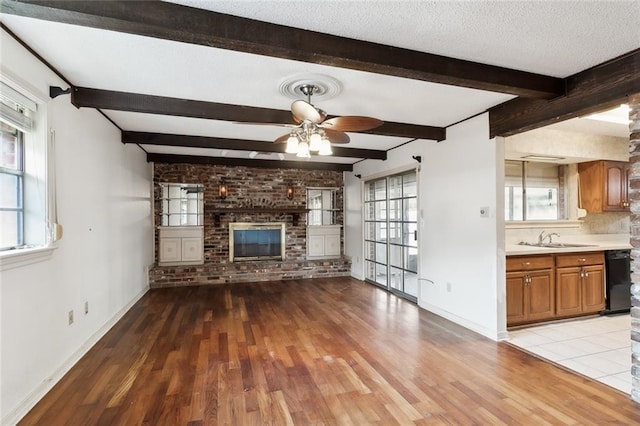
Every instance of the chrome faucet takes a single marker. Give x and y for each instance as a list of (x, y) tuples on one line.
[(543, 237)]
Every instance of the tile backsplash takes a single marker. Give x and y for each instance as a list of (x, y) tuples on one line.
[(606, 223), (595, 223)]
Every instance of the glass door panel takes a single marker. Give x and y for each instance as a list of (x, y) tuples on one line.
[(391, 233)]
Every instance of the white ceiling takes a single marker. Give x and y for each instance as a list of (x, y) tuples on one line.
[(556, 38)]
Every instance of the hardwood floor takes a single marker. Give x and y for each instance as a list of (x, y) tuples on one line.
[(322, 351)]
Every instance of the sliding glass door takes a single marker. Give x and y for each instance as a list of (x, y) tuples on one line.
[(391, 233)]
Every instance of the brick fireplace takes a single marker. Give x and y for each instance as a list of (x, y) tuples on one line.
[(256, 195)]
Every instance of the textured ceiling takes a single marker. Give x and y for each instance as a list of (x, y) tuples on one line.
[(556, 38), (552, 38)]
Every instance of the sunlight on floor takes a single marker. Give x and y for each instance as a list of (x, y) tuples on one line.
[(599, 348)]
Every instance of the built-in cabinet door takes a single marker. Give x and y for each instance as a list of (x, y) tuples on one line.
[(568, 294), (170, 250), (192, 249), (593, 289), (541, 303), (516, 312), (315, 245), (530, 296), (615, 186), (332, 245)]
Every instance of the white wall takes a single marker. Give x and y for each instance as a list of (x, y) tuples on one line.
[(460, 251), (104, 204)]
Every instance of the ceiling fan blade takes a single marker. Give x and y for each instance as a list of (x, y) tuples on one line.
[(282, 139), (351, 123), (303, 110), (336, 137)]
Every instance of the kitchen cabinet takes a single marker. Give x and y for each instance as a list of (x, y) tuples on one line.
[(530, 289), (554, 286), (604, 186), (579, 284)]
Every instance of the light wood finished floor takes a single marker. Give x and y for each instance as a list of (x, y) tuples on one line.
[(322, 351)]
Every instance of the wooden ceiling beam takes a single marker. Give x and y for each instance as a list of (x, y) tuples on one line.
[(269, 164), (595, 89), (163, 139), (134, 102), (197, 26)]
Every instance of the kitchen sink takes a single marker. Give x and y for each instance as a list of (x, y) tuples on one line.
[(555, 245)]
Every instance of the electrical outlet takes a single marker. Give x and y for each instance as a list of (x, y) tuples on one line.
[(71, 317), (448, 287), (86, 308)]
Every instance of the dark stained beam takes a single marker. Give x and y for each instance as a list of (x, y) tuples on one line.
[(134, 102), (163, 139), (191, 25), (269, 164), (592, 90)]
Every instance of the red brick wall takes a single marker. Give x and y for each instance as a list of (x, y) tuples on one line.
[(634, 197), (247, 187)]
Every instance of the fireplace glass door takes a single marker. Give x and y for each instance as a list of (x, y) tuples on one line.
[(391, 233)]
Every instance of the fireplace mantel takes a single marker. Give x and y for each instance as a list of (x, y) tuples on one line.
[(293, 211)]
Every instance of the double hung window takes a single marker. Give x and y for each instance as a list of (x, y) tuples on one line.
[(23, 189), (11, 187)]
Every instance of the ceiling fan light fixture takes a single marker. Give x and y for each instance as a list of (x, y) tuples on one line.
[(292, 145), (315, 141), (303, 150), (325, 147)]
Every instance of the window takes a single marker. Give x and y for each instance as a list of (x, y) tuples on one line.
[(534, 191), (11, 187), (22, 171), (322, 203), (182, 204)]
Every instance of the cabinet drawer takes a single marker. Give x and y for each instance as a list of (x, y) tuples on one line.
[(580, 259), (529, 263)]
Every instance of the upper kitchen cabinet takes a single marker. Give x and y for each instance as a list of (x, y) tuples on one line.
[(603, 186)]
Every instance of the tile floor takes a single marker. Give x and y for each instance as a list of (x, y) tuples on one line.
[(597, 347)]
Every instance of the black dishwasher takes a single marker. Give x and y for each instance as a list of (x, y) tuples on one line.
[(618, 285)]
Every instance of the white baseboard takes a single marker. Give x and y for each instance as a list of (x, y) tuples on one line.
[(491, 334), (357, 276), (503, 335), (32, 399)]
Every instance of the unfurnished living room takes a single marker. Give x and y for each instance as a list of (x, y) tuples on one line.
[(340, 212)]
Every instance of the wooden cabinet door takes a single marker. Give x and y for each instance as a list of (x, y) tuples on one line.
[(615, 186), (593, 289), (515, 298), (540, 295), (568, 291)]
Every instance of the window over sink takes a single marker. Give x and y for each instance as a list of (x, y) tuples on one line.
[(535, 191)]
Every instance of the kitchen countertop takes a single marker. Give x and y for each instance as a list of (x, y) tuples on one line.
[(597, 242)]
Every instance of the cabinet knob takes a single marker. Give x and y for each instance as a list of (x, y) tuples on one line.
[(526, 263), (582, 259)]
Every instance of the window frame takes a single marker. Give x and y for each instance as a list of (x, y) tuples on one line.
[(524, 186), (38, 193), (19, 173), (321, 213)]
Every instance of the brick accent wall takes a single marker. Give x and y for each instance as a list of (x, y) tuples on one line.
[(634, 197), (248, 187)]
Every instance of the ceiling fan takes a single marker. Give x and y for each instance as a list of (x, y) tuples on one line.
[(314, 133)]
